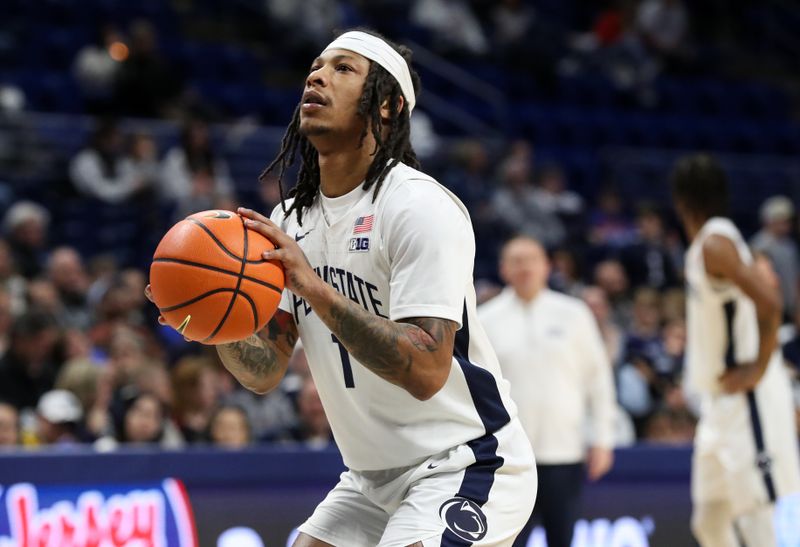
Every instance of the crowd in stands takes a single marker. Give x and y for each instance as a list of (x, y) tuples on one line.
[(83, 360)]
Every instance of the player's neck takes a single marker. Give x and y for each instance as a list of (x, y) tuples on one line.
[(343, 170), (693, 225)]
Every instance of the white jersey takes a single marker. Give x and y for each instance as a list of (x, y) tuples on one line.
[(408, 253), (718, 312)]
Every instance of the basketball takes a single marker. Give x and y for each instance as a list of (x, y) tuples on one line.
[(209, 280)]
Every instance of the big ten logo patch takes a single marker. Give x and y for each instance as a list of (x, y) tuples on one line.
[(358, 244)]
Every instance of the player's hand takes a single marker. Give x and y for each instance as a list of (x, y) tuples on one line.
[(740, 378), (599, 461), (300, 277)]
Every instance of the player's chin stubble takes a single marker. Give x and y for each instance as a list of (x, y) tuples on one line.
[(311, 129)]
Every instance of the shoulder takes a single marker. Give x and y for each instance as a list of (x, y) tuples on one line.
[(562, 301), (720, 255), (494, 307), (410, 191), (566, 305)]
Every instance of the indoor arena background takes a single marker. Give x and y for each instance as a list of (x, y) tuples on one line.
[(556, 118)]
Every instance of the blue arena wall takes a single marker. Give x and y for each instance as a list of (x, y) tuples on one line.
[(258, 496)]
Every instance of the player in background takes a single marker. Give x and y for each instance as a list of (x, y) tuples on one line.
[(379, 260), (745, 453)]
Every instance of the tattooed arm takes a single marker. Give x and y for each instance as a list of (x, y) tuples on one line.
[(259, 362), (415, 353)]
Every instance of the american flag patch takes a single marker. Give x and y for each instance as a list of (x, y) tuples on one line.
[(363, 224)]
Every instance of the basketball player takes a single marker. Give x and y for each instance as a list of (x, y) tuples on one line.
[(745, 448), (378, 260)]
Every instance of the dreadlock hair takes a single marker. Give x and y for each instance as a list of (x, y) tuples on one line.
[(699, 184), (379, 86)]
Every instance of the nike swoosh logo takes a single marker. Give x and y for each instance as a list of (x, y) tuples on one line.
[(431, 466), (298, 237)]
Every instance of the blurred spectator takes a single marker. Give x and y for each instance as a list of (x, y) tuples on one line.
[(59, 415), (565, 275), (613, 336), (102, 171), (610, 276), (452, 24), (140, 419), (27, 369), (195, 396), (43, 296), (644, 329), (469, 176), (647, 260), (95, 68), (609, 224), (66, 271), (152, 376), (673, 305), (6, 320), (424, 140), (102, 270), (193, 176), (147, 85), (9, 426), (511, 23), (11, 283), (670, 427), (516, 205), (311, 21), (229, 427), (663, 26), (25, 227), (313, 429), (775, 240), (554, 197), (276, 411), (91, 384)]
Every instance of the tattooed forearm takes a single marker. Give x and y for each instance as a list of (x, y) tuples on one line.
[(409, 354), (259, 362)]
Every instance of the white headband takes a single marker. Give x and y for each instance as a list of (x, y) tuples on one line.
[(375, 49)]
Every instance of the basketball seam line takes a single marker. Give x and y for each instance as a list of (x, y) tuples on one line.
[(238, 285), (209, 293), (222, 245), (193, 300), (216, 269)]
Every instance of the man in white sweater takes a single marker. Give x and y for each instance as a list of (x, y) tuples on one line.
[(551, 352)]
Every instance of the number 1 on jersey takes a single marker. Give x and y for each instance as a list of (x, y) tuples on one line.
[(346, 368)]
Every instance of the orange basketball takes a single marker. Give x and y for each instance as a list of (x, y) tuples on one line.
[(209, 280)]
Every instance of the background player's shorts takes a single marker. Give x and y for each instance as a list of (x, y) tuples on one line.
[(746, 448), (479, 493)]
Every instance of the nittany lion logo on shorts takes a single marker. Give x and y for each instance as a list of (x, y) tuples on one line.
[(464, 518)]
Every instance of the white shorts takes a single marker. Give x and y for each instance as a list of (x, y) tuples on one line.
[(478, 493), (746, 449)]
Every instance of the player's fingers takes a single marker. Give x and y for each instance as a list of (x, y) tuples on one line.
[(270, 231), (274, 254), (253, 215), (148, 293), (161, 320)]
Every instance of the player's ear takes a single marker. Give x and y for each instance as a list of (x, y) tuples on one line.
[(386, 114)]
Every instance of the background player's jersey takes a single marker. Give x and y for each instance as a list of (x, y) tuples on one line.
[(718, 313), (408, 254)]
